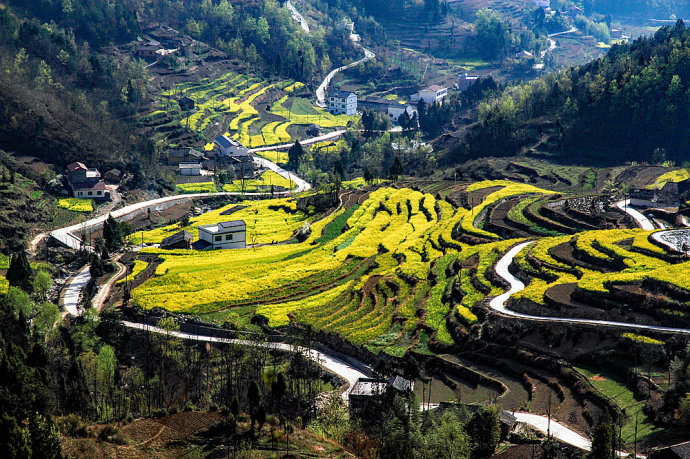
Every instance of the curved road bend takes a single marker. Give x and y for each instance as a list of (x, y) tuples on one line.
[(321, 90), (641, 220), (498, 303), (298, 17)]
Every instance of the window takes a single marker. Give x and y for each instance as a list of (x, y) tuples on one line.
[(228, 237), (90, 193), (219, 238)]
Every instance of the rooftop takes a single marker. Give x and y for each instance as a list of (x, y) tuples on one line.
[(89, 186), (177, 237), (73, 167), (341, 94), (435, 88), (368, 387), (226, 142), (225, 227), (190, 165)]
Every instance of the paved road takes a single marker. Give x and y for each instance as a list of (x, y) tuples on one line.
[(556, 430), (321, 90), (343, 369), (285, 146), (67, 237), (498, 303), (73, 291), (298, 17), (641, 220)]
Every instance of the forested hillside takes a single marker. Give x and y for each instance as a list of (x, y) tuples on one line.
[(61, 101), (630, 105)]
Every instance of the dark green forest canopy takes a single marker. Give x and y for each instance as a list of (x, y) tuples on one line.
[(633, 104)]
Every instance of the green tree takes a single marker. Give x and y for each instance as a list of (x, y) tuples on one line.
[(45, 437), (602, 442), (42, 283), (96, 269), (447, 439), (396, 169), (14, 440), (295, 154), (19, 271), (112, 234), (485, 431)]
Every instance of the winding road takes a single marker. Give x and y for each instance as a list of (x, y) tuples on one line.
[(298, 17), (498, 303), (321, 90), (641, 220)]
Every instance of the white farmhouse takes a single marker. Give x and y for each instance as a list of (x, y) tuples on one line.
[(542, 3), (395, 110), (224, 235), (342, 102), (430, 95)]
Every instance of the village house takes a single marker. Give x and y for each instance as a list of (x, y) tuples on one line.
[(542, 3), (225, 146), (432, 94), (148, 50), (113, 176), (180, 240), (466, 80), (175, 156), (369, 394), (191, 168), (616, 33), (342, 103), (86, 183), (224, 235), (395, 110)]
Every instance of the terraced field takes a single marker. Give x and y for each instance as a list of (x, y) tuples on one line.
[(251, 110), (402, 269)]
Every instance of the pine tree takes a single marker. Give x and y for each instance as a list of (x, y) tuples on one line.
[(396, 169), (112, 234), (19, 272)]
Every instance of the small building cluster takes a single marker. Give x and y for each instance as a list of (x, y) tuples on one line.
[(86, 183), (223, 235), (389, 107), (668, 197)]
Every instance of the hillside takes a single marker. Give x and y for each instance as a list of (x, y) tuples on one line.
[(631, 105)]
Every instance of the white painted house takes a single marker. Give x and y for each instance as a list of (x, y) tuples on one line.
[(342, 103), (430, 95), (225, 146), (190, 168), (224, 235), (542, 3), (396, 110), (465, 80)]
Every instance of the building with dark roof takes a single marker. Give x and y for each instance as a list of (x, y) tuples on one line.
[(342, 103), (678, 451), (370, 394), (86, 183), (226, 146), (175, 156), (181, 240)]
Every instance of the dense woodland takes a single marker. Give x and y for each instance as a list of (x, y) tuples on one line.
[(599, 110)]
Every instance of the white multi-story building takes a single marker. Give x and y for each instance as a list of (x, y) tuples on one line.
[(342, 103), (430, 95), (224, 235)]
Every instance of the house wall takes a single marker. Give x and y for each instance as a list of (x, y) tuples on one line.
[(338, 106), (238, 240), (190, 171), (98, 194)]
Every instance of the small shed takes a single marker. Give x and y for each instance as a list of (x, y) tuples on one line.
[(186, 103), (113, 176), (181, 240), (190, 168)]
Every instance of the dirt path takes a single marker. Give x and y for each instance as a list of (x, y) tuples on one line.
[(104, 290)]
